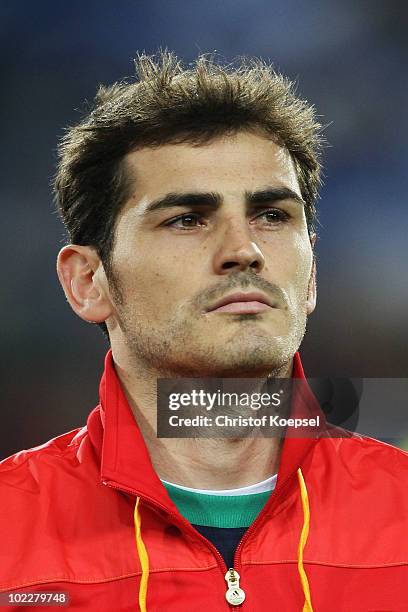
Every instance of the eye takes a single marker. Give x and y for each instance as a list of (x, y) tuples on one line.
[(273, 216), (185, 222)]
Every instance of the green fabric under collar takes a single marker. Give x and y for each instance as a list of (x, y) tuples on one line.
[(218, 510)]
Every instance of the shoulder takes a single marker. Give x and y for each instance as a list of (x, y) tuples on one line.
[(50, 499), (351, 441), (358, 500), (26, 470), (357, 454), (54, 446)]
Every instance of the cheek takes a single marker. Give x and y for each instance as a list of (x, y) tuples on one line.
[(290, 265), (153, 283)]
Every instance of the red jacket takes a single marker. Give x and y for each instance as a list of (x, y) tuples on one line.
[(68, 510)]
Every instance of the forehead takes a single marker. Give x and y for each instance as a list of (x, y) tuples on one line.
[(240, 162)]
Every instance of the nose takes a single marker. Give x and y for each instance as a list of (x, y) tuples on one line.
[(237, 250)]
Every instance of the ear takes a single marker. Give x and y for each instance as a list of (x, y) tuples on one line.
[(312, 289), (81, 274)]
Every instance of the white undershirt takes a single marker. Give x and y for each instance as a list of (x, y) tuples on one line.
[(259, 487)]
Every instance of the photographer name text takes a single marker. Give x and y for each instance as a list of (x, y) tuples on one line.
[(239, 421)]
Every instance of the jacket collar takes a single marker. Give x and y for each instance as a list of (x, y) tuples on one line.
[(123, 455)]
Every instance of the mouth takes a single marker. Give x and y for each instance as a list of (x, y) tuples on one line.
[(243, 303)]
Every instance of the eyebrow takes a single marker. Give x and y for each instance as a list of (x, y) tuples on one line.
[(273, 194), (195, 198), (214, 200)]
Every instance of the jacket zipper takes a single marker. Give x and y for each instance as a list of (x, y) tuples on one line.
[(230, 575), (234, 595)]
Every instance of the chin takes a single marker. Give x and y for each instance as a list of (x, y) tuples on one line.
[(252, 362)]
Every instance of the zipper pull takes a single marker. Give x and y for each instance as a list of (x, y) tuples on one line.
[(234, 595)]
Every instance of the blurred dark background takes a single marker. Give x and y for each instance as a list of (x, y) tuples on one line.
[(350, 61)]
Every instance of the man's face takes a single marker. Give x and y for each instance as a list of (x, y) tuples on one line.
[(206, 223)]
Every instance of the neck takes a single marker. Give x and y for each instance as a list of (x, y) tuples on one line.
[(203, 463)]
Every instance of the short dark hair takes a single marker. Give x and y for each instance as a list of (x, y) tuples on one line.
[(168, 103)]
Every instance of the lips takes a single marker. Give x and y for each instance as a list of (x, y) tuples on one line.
[(242, 303)]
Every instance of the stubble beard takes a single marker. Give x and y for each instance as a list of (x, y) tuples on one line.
[(177, 350)]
